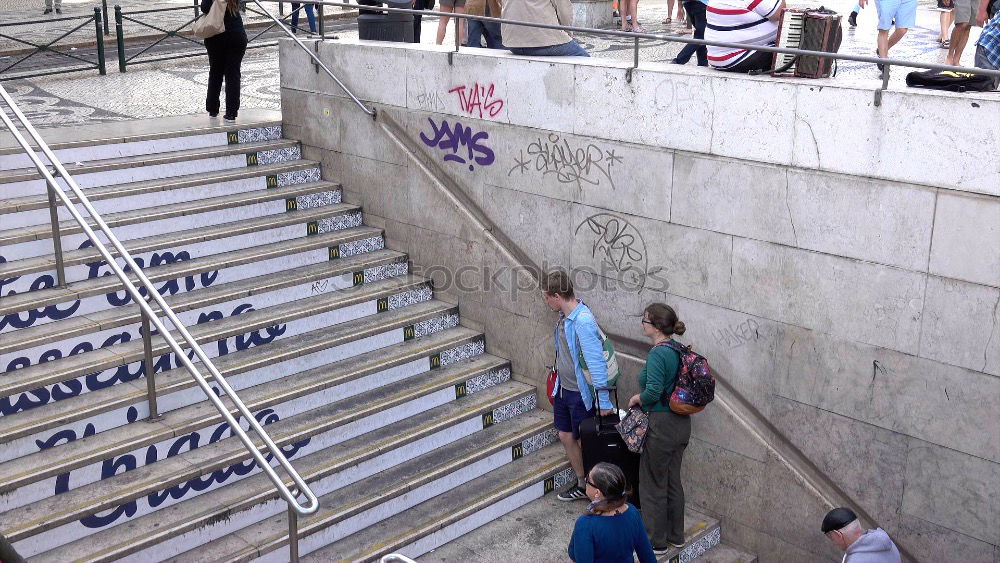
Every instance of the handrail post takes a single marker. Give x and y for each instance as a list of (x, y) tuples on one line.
[(120, 38), (101, 64), (197, 9), (322, 24), (635, 63), (104, 10), (885, 85), (458, 40), (147, 345), (56, 238), (293, 535)]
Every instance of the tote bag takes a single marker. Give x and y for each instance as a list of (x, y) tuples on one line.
[(212, 23)]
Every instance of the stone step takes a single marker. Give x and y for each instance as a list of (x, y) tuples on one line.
[(361, 504), (36, 240), (449, 515), (86, 262), (354, 481), (56, 521), (90, 458), (724, 553), (27, 181), (262, 291), (21, 432), (34, 209), (81, 298), (59, 379), (81, 143)]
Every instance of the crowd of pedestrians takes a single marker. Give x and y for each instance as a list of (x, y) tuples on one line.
[(612, 529)]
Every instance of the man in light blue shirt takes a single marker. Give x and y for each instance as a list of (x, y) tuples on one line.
[(575, 334)]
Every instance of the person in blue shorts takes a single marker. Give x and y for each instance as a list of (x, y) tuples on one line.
[(898, 14)]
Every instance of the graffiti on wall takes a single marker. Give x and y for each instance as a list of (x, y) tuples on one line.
[(619, 247), (460, 144), (478, 100), (582, 164)]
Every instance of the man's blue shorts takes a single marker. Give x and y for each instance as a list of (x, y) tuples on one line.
[(904, 12), (568, 412)]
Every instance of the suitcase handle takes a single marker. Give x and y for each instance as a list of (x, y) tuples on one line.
[(601, 426)]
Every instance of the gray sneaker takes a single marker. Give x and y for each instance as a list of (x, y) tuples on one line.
[(573, 493)]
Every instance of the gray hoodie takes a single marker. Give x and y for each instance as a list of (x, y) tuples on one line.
[(873, 547)]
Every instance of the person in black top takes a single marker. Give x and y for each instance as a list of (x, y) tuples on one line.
[(225, 55)]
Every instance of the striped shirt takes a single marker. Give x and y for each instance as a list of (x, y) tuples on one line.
[(739, 21)]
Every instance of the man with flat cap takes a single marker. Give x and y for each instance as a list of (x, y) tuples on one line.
[(841, 526)]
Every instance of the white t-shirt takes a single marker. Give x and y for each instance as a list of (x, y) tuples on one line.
[(739, 21)]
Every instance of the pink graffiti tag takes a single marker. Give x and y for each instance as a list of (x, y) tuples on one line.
[(478, 98)]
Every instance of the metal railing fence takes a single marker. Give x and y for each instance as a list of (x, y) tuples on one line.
[(150, 317), (255, 41), (635, 37), (37, 48)]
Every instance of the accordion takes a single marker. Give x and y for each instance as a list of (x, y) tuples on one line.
[(811, 30)]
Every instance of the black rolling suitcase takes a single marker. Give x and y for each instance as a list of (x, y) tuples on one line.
[(600, 441)]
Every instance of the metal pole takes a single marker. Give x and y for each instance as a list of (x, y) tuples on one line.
[(147, 344), (56, 239), (101, 65), (104, 10), (885, 85), (322, 22), (293, 535), (197, 9), (120, 38)]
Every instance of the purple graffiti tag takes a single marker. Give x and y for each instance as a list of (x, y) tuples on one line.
[(452, 138)]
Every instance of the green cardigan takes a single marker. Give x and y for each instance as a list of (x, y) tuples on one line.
[(658, 378)]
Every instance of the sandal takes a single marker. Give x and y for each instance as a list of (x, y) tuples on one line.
[(638, 28), (667, 21), (946, 44)]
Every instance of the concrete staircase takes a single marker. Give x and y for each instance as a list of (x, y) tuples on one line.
[(410, 433)]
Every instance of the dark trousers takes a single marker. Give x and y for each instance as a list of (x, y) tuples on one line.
[(660, 489), (419, 5), (225, 55), (696, 11), (478, 30), (759, 61)]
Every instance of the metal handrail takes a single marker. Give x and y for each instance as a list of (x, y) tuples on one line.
[(396, 558), (150, 316)]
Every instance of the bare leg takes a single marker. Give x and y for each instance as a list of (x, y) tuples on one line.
[(443, 23), (883, 42), (574, 453), (670, 9), (461, 25), (897, 34), (946, 19), (633, 8), (959, 37)]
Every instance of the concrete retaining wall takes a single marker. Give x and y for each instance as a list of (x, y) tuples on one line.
[(837, 262)]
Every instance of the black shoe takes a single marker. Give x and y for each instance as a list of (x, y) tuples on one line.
[(572, 493), (213, 115), (229, 119), (853, 19), (58, 10), (47, 11)]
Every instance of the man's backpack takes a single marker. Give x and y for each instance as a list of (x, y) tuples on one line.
[(695, 386)]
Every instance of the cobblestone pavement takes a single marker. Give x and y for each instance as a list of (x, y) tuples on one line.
[(54, 25), (178, 87)]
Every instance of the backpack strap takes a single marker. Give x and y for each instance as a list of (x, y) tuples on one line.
[(681, 350)]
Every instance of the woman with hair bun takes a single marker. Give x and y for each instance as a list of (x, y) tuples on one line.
[(611, 530), (660, 490)]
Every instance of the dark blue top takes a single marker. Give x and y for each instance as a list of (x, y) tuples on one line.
[(610, 539), (234, 22)]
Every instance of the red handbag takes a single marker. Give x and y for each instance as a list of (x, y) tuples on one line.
[(550, 385)]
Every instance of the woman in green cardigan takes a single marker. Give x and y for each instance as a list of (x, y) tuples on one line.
[(660, 489)]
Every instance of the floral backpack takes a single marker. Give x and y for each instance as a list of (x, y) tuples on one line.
[(695, 384)]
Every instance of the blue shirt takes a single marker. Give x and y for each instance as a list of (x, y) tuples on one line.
[(989, 40), (610, 539), (581, 326)]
